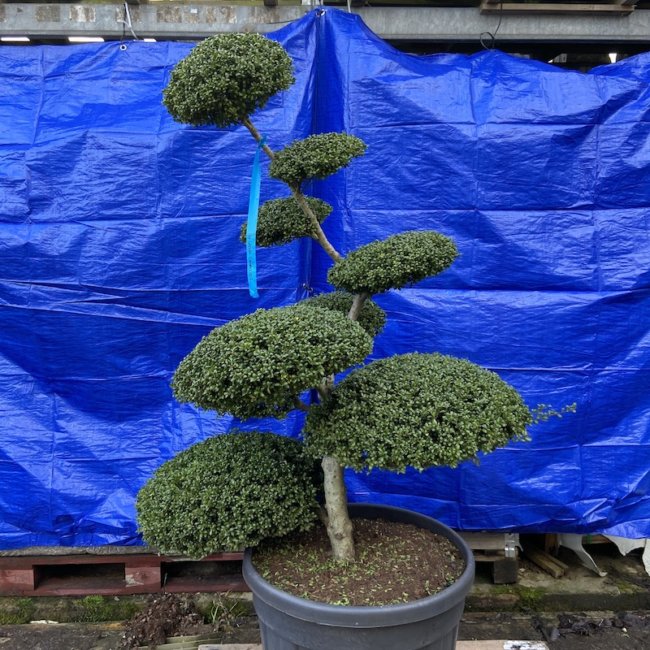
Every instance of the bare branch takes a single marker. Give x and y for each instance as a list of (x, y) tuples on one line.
[(335, 515), (320, 235), (300, 197), (357, 305), (325, 388), (299, 404), (258, 138)]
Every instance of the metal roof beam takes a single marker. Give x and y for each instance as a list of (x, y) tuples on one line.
[(186, 21), (563, 8)]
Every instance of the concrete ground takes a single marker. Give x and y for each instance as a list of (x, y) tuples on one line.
[(474, 628), (462, 645), (578, 611)]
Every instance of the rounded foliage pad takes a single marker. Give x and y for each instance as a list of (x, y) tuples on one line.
[(226, 78), (416, 410), (393, 263), (372, 317), (317, 156), (282, 220), (227, 493), (259, 364)]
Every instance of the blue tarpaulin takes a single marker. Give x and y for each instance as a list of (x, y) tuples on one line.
[(119, 250)]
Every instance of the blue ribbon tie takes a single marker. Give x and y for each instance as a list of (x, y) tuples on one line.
[(251, 224)]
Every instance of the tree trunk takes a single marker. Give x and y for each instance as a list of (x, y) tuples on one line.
[(339, 526)]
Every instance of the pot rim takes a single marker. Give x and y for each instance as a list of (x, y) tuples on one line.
[(371, 615)]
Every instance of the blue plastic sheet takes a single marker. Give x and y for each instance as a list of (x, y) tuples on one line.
[(119, 250)]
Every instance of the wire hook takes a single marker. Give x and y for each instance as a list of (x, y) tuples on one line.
[(126, 22)]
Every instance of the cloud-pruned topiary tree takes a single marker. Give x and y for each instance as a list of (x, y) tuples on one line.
[(412, 410), (258, 365), (456, 410), (317, 156), (225, 79), (280, 221), (229, 492), (394, 263)]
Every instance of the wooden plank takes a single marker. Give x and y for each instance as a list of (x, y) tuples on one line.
[(488, 557), (484, 541), (230, 646), (16, 581), (501, 645), (550, 543), (87, 589), (148, 559), (225, 557), (460, 645), (142, 579), (179, 585), (73, 575), (547, 562), (505, 571)]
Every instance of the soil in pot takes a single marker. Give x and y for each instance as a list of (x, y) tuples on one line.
[(396, 563)]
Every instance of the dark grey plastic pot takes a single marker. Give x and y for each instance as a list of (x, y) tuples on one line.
[(291, 623)]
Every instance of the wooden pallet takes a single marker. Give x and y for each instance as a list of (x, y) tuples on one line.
[(116, 575), (146, 573), (499, 549)]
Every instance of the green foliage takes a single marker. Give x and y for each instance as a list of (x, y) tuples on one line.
[(227, 493), (544, 412), (416, 410), (317, 156), (95, 609), (393, 263), (259, 364), (372, 317), (226, 78), (90, 609), (16, 611), (225, 611), (282, 220)]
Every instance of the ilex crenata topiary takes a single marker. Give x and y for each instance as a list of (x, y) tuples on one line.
[(317, 156), (259, 364), (227, 493), (396, 262), (226, 78), (282, 220), (416, 410), (412, 410)]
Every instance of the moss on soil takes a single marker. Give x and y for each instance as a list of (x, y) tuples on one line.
[(524, 598), (530, 598), (15, 611), (97, 609)]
